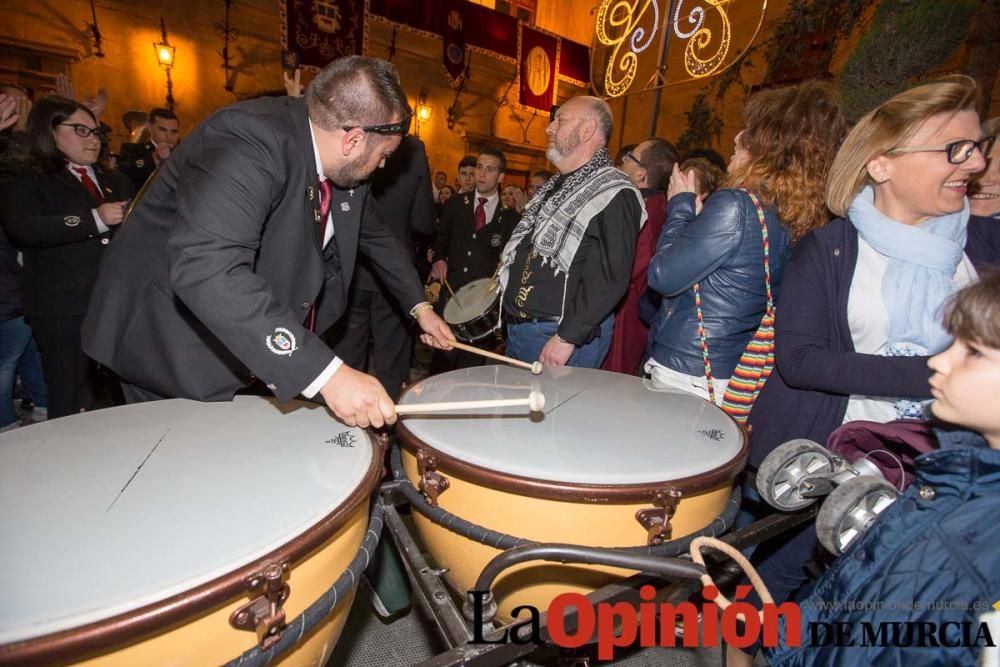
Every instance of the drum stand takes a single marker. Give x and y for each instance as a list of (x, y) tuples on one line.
[(436, 598)]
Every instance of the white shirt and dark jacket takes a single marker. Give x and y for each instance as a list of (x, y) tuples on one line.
[(210, 283)]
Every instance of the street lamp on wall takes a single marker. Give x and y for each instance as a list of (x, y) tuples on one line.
[(165, 59), (423, 111)]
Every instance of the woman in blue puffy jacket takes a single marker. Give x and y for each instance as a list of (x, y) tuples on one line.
[(713, 256)]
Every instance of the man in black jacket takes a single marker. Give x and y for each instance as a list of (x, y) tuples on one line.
[(244, 246), (402, 191), (570, 259), (473, 229), (139, 161)]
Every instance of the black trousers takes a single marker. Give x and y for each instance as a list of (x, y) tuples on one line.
[(70, 374), (374, 316)]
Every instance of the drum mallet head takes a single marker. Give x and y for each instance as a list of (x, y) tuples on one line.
[(536, 401), (536, 368)]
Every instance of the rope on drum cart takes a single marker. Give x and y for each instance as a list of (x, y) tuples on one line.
[(497, 540), (318, 611)]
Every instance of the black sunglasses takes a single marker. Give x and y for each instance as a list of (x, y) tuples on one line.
[(552, 112), (402, 127)]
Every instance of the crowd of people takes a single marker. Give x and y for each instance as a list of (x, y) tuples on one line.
[(256, 258)]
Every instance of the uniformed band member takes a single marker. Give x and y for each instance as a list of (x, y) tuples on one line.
[(139, 161), (245, 244), (465, 181), (58, 208), (473, 228), (402, 190), (569, 260)]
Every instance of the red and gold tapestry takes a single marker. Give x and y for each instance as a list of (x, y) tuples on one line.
[(320, 31), (538, 62)]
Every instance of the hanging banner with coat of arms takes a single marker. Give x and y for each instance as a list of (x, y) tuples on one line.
[(320, 31), (538, 63), (453, 54)]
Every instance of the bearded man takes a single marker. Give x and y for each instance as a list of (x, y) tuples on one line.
[(242, 251), (569, 260)]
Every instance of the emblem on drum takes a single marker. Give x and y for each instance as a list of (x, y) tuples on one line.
[(495, 240), (343, 439), (713, 434), (281, 342)]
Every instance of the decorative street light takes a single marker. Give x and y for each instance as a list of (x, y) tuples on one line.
[(165, 58)]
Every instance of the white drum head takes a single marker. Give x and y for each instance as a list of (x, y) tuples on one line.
[(108, 511), (476, 298), (597, 427)]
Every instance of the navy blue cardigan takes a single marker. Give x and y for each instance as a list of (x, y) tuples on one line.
[(816, 367)]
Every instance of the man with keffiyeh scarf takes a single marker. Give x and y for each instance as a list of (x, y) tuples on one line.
[(569, 260)]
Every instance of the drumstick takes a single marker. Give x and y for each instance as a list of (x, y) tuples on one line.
[(535, 368), (452, 292), (535, 402)]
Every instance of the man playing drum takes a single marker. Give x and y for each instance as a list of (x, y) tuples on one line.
[(569, 260), (472, 230), (243, 249)]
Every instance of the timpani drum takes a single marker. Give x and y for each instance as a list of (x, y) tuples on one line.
[(132, 536), (609, 463), (474, 311)]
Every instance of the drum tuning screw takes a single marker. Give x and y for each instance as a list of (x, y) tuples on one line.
[(656, 520), (264, 615)]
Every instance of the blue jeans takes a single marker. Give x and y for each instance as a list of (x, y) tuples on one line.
[(19, 354), (525, 341)]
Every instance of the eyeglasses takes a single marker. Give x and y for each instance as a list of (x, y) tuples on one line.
[(402, 127), (83, 130), (958, 151), (628, 155)]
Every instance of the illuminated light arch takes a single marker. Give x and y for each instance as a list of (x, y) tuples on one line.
[(626, 29)]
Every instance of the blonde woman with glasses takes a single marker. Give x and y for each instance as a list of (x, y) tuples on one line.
[(860, 310)]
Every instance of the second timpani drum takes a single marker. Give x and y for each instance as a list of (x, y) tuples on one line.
[(606, 461), (474, 311), (134, 535)]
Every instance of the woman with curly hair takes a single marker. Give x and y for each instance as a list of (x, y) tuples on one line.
[(710, 261), (861, 305)]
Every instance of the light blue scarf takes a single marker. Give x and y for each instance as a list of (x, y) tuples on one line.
[(919, 277)]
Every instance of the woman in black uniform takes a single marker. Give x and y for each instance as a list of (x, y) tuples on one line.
[(59, 208)]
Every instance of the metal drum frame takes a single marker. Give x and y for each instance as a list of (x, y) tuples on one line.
[(435, 595)]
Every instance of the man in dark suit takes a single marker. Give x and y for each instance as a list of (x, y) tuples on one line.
[(402, 191), (139, 161), (245, 244), (473, 229)]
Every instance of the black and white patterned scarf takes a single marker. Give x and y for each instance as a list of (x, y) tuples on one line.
[(557, 223)]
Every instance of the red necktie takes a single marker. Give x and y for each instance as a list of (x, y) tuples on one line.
[(481, 214), (325, 195), (325, 198), (88, 183)]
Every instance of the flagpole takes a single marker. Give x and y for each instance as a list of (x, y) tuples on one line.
[(660, 78)]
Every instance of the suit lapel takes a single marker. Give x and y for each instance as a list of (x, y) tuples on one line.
[(102, 184), (73, 185), (349, 229)]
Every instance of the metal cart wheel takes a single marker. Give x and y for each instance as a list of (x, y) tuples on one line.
[(850, 510), (779, 478)]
